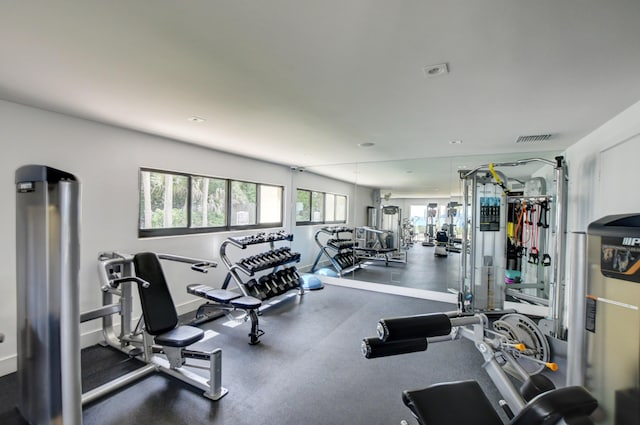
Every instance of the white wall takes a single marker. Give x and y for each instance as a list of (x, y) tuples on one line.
[(602, 170), (106, 160)]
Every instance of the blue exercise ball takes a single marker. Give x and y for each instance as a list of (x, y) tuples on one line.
[(311, 282), (327, 272)]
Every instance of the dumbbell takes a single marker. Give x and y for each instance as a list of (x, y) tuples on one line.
[(254, 289), (281, 280), (295, 279), (265, 286)]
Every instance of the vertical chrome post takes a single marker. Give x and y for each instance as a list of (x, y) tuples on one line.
[(557, 306), (47, 265), (474, 242), (465, 236), (576, 346)]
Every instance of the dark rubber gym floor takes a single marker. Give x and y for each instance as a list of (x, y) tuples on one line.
[(423, 270), (308, 369)]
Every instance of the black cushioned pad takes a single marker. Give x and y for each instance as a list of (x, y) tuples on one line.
[(548, 408), (246, 303), (197, 289), (451, 403), (180, 336), (219, 295), (159, 311)]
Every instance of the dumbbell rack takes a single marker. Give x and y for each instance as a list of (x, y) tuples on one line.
[(338, 249), (245, 271)]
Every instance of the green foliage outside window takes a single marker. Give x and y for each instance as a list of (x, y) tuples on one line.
[(303, 205), (176, 203), (208, 202), (164, 200)]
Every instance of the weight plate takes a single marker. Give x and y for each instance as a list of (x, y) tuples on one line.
[(522, 329)]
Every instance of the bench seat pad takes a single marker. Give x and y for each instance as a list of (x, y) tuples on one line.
[(246, 303), (451, 403), (180, 336)]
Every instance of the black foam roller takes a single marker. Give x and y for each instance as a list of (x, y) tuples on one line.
[(411, 327), (373, 347)]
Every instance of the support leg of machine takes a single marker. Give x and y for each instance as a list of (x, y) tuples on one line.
[(256, 332)]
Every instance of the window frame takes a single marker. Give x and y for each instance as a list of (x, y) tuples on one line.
[(308, 218), (259, 205), (310, 221), (189, 229)]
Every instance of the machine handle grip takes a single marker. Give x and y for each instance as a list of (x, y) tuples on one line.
[(413, 327), (202, 267), (373, 347), (116, 282)]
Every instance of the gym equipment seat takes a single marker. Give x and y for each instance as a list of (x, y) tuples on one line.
[(161, 322), (464, 402), (160, 315)]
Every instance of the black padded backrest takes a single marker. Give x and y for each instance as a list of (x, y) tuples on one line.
[(157, 305), (451, 403), (573, 404)]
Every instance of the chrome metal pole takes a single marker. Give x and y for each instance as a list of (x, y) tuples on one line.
[(47, 267), (576, 345), (559, 263)]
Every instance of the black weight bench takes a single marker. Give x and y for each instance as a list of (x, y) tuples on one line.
[(170, 338), (224, 300), (464, 402)]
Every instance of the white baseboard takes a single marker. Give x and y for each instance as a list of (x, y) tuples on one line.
[(391, 289)]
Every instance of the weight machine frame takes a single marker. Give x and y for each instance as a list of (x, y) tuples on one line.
[(116, 278), (555, 323)]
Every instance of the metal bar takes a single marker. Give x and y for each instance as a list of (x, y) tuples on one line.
[(106, 310), (70, 373), (576, 357), (474, 243), (216, 391), (527, 297), (559, 263), (465, 241), (506, 388), (188, 377), (117, 383), (465, 320), (508, 164), (188, 260)]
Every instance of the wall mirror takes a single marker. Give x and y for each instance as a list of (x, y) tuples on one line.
[(427, 196)]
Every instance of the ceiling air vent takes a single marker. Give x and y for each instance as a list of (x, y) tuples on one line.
[(537, 138)]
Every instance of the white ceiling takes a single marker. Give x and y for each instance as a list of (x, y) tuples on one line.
[(302, 82)]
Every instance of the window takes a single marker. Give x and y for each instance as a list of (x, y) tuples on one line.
[(319, 207), (208, 202), (341, 208), (243, 203), (164, 198), (270, 204), (329, 207), (303, 206), (178, 203)]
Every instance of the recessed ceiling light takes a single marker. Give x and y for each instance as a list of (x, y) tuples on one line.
[(436, 70), (462, 167), (455, 142), (196, 119), (366, 144)]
